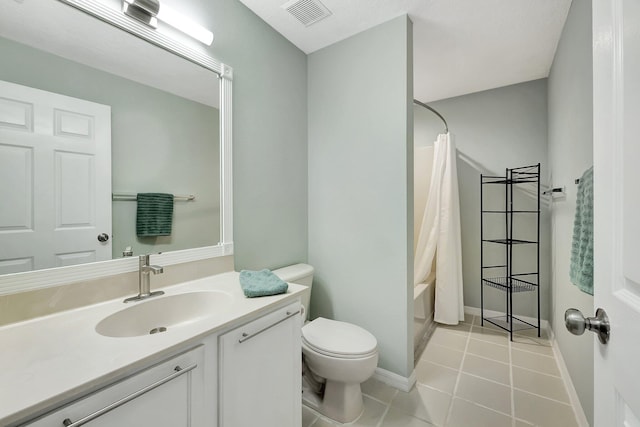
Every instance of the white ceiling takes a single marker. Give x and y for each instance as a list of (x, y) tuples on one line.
[(460, 46)]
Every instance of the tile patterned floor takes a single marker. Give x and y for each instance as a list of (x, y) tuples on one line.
[(470, 376)]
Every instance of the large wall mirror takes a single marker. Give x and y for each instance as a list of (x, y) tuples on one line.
[(92, 114)]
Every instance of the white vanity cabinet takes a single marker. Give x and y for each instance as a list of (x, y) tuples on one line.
[(260, 372), (235, 376), (169, 394)]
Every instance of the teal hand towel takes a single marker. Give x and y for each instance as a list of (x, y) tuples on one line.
[(581, 267), (261, 283), (154, 215)]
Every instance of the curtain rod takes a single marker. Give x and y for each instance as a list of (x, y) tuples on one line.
[(422, 104)]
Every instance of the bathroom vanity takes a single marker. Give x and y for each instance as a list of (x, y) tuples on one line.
[(223, 360)]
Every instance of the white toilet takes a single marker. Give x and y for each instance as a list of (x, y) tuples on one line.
[(338, 357)]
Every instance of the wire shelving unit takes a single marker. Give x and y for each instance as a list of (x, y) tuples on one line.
[(514, 273)]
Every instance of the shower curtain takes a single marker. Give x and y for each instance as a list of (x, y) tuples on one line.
[(439, 235)]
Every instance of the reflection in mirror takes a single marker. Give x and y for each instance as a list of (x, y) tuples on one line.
[(89, 117)]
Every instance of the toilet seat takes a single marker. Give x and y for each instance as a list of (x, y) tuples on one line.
[(338, 339)]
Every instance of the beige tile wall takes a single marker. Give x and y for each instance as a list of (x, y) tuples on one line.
[(28, 305)]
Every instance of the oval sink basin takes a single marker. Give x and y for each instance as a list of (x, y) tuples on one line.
[(164, 313)]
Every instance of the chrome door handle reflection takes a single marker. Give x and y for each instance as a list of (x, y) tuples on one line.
[(576, 323)]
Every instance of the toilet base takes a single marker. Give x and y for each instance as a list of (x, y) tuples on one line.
[(341, 402)]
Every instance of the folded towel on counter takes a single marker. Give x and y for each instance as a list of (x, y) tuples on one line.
[(154, 215), (581, 267), (261, 283)]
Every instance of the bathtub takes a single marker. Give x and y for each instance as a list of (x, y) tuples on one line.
[(423, 299)]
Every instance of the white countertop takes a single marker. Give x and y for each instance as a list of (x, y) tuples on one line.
[(50, 359)]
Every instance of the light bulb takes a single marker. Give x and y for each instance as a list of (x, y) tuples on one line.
[(185, 25)]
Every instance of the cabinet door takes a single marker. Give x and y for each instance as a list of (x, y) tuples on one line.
[(166, 395), (260, 372)]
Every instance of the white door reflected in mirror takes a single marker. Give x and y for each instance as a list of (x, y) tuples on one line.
[(55, 154)]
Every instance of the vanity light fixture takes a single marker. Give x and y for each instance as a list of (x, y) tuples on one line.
[(150, 11)]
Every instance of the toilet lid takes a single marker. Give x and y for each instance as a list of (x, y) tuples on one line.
[(337, 338)]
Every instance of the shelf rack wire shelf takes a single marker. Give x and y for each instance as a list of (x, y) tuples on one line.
[(504, 275)]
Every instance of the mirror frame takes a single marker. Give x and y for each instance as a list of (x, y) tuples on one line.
[(39, 279)]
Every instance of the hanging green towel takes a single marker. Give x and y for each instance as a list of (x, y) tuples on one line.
[(581, 268), (154, 215), (261, 283)]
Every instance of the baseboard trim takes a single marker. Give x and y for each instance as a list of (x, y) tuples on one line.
[(395, 380), (544, 324), (581, 417)]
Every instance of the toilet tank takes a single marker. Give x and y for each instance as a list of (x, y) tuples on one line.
[(302, 274)]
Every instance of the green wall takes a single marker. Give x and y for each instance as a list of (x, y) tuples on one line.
[(360, 186), (570, 154), (269, 133)]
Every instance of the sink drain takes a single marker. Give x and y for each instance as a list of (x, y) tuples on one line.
[(157, 330)]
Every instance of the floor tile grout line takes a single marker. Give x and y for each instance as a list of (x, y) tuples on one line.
[(473, 338), (484, 406), (380, 400), (490, 342), (440, 364), (472, 352), (522, 420), (430, 387), (455, 387), (486, 358), (443, 346), (386, 410), (483, 378), (542, 396), (537, 372), (439, 345), (388, 407), (533, 352), (479, 338), (313, 412), (494, 331), (314, 421)]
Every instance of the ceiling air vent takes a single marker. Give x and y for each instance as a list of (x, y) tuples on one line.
[(307, 11)]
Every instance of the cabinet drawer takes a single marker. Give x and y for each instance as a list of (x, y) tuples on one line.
[(167, 394)]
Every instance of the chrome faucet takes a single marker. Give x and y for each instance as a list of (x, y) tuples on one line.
[(144, 282)]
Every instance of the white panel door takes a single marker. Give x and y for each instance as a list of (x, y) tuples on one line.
[(55, 179), (616, 80)]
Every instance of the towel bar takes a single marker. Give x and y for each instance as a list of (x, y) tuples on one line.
[(134, 197), (246, 336), (555, 190)]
